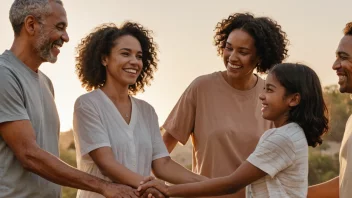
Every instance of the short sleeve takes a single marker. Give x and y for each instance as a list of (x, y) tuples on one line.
[(88, 129), (12, 104), (180, 122), (159, 148), (273, 154)]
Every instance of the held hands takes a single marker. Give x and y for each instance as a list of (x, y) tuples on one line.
[(152, 188), (119, 191)]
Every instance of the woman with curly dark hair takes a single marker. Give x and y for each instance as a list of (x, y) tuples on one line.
[(278, 167), (117, 136), (221, 111)]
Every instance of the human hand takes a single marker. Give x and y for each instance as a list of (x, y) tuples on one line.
[(152, 193), (112, 190), (160, 186)]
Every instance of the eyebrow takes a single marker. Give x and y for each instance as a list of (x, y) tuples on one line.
[(129, 50), (270, 85), (243, 48), (341, 53)]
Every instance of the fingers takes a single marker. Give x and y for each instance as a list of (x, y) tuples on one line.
[(147, 179)]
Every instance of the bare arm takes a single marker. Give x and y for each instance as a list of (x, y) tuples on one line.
[(170, 141), (20, 137), (329, 189), (167, 169), (105, 160), (244, 175)]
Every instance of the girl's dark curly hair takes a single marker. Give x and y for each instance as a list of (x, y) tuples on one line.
[(89, 68), (270, 40), (311, 113)]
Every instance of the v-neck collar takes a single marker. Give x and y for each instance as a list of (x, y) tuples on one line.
[(133, 113)]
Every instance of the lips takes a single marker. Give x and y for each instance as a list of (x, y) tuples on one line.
[(232, 66), (130, 70), (264, 106)]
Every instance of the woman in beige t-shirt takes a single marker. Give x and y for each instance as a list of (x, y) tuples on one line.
[(221, 110)]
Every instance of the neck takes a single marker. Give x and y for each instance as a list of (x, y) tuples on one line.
[(281, 122), (115, 91), (25, 52), (245, 83)]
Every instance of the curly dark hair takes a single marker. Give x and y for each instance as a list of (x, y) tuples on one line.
[(270, 40), (89, 68), (348, 29), (311, 113)]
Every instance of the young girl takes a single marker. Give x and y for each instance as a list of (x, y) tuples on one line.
[(278, 167)]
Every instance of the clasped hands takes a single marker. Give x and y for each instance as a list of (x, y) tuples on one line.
[(152, 188)]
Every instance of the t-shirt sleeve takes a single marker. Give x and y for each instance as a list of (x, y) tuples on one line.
[(273, 154), (12, 105), (181, 120), (159, 148), (88, 129)]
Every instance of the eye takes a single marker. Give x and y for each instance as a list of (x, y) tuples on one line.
[(125, 54), (139, 57), (268, 90), (228, 48), (60, 28), (243, 53)]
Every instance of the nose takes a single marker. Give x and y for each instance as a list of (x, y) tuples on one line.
[(65, 37), (134, 60), (233, 57), (261, 96)]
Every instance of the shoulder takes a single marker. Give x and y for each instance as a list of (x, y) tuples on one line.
[(9, 77), (143, 105), (87, 100), (287, 134), (205, 80)]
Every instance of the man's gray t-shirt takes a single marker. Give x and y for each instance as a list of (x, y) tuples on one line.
[(26, 95)]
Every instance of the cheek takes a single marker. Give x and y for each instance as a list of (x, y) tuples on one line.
[(347, 66)]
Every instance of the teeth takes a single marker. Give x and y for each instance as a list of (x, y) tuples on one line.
[(342, 78), (233, 66), (56, 46), (133, 71)]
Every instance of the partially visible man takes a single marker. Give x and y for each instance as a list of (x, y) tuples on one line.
[(29, 122), (341, 186)]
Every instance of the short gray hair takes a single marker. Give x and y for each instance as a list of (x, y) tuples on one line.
[(20, 9)]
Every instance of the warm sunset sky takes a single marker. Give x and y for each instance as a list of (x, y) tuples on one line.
[(184, 31)]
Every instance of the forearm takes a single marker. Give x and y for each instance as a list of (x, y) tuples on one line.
[(174, 173), (53, 169), (329, 189), (120, 174), (213, 187)]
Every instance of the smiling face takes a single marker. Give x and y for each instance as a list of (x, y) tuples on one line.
[(240, 56), (276, 104), (343, 64), (52, 34), (124, 64)]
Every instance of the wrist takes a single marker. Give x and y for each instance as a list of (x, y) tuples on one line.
[(101, 187)]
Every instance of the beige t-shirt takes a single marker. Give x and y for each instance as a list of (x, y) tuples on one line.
[(225, 124), (346, 162)]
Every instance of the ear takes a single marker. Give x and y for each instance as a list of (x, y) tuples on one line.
[(104, 60), (294, 99), (30, 25)]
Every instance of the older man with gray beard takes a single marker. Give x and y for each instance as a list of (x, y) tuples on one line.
[(29, 122), (341, 186)]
